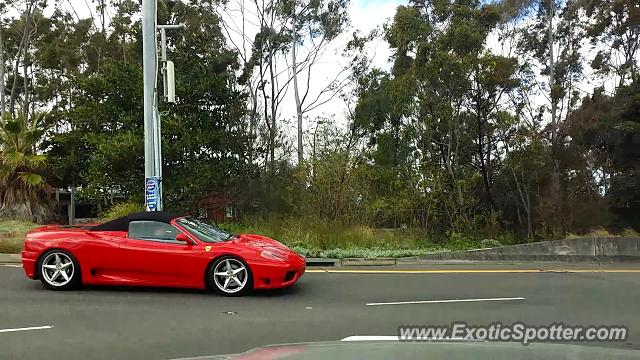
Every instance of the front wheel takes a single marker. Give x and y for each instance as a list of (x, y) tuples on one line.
[(58, 270), (230, 276)]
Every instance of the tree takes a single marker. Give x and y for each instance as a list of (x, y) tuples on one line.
[(556, 46), (203, 134), (21, 55), (316, 23), (441, 95), (291, 37), (608, 128), (615, 28), (492, 79), (526, 165), (2, 66), (23, 190)]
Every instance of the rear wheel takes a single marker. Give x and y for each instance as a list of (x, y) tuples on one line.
[(58, 270), (230, 276)]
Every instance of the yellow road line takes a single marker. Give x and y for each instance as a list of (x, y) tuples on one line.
[(471, 271)]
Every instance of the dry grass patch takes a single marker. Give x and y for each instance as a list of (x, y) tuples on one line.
[(12, 233)]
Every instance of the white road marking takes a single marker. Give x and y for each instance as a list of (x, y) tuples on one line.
[(444, 301), (470, 271), (394, 338), (370, 338), (11, 265), (27, 328)]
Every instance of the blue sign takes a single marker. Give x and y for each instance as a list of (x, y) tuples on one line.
[(152, 193)]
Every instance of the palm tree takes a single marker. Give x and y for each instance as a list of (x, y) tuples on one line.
[(24, 193)]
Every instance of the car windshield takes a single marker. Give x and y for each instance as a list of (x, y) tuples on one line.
[(203, 231)]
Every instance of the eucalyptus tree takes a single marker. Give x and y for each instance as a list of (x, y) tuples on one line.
[(280, 43), (439, 104), (614, 29)]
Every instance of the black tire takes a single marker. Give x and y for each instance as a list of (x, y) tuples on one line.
[(216, 282), (53, 278)]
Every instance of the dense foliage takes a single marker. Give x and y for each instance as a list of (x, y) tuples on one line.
[(477, 129)]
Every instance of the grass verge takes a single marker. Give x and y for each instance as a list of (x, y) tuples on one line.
[(12, 233)]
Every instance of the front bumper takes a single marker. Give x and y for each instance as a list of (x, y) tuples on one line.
[(275, 275), (29, 259)]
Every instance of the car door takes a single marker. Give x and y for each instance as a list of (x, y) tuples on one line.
[(154, 257), (100, 257)]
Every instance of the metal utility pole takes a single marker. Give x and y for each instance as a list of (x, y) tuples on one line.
[(152, 139), (151, 133)]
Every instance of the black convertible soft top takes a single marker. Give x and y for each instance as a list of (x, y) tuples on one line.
[(122, 224)]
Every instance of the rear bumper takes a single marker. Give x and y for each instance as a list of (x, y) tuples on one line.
[(29, 259), (274, 276)]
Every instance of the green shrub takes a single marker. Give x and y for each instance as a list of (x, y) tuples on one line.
[(233, 227), (122, 209), (489, 243), (460, 241), (363, 252), (311, 233), (629, 233)]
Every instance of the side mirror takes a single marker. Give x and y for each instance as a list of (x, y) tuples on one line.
[(183, 238)]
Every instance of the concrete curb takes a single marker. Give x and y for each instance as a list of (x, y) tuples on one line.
[(312, 262), (323, 262), (10, 259), (368, 262)]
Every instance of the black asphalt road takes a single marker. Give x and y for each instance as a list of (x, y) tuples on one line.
[(134, 323)]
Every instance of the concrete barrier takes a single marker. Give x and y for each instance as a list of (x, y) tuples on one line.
[(596, 249)]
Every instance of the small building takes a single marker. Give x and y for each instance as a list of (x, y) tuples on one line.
[(217, 207)]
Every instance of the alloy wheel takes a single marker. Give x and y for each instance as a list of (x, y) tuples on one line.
[(230, 276), (57, 269)]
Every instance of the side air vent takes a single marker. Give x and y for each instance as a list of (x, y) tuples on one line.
[(289, 276)]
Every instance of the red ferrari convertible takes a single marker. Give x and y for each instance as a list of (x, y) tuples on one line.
[(158, 249)]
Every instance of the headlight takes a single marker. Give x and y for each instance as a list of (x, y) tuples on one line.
[(268, 254)]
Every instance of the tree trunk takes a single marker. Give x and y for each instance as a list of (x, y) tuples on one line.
[(2, 94), (272, 129), (21, 204), (528, 208), (552, 80), (296, 90), (253, 115), (481, 154), (25, 70), (555, 195), (102, 8), (455, 186), (25, 34)]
